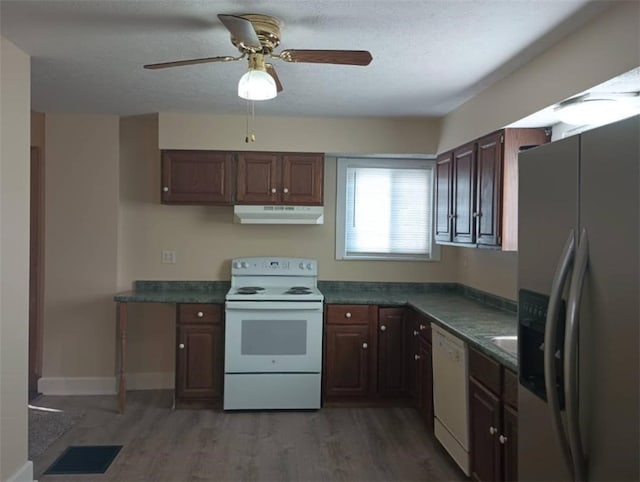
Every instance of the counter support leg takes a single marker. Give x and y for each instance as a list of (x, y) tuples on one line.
[(122, 339)]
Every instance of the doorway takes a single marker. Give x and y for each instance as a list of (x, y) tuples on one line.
[(36, 270)]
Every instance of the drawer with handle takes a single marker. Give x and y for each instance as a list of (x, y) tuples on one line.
[(351, 314), (199, 313)]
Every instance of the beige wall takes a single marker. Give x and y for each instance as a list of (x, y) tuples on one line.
[(305, 134), (489, 270), (80, 245), (14, 259)]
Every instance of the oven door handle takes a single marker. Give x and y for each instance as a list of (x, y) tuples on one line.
[(273, 306)]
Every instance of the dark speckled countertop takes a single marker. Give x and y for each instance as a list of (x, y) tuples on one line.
[(472, 315), (175, 292)]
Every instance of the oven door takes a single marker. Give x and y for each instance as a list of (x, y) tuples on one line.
[(273, 337)]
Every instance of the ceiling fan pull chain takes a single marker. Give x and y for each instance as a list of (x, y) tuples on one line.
[(250, 122), (253, 121)]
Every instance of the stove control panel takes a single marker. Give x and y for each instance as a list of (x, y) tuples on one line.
[(257, 266)]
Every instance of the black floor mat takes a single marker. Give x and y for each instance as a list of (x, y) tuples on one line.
[(85, 459)]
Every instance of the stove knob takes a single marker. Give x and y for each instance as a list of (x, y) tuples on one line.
[(309, 266), (301, 266), (244, 264), (236, 265)]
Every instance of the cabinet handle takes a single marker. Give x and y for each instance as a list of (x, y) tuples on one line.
[(285, 190), (365, 346), (416, 332), (503, 439), (347, 315), (383, 328), (423, 327), (416, 357), (165, 189), (451, 216), (273, 190), (181, 346), (200, 314), (492, 430), (477, 215)]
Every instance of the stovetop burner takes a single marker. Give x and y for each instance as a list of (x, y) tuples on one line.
[(298, 290), (249, 290)]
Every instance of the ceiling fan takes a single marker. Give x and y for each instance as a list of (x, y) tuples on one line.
[(256, 36)]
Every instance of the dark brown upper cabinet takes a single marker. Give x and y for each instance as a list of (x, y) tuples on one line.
[(464, 170), (444, 210), (197, 177), (280, 178), (477, 190)]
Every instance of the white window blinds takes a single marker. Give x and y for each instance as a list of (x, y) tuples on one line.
[(388, 211)]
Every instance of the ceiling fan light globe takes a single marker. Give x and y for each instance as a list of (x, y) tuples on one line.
[(257, 85)]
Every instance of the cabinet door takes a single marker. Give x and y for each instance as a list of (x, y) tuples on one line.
[(444, 208), (199, 367), (258, 178), (302, 178), (425, 373), (484, 411), (463, 193), (488, 211), (509, 442), (196, 177), (347, 361), (391, 352)]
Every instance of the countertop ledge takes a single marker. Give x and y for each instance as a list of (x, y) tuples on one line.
[(470, 314)]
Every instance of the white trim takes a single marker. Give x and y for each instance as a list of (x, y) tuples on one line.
[(77, 385), (25, 474), (105, 385)]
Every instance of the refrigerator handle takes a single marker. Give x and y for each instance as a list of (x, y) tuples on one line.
[(571, 357), (550, 342)]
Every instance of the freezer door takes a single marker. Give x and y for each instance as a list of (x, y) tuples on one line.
[(609, 314), (548, 212)]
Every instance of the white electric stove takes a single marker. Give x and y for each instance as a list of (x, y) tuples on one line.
[(273, 335)]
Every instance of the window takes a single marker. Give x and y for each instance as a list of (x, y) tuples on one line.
[(384, 209)]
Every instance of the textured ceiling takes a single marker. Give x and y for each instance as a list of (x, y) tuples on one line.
[(428, 56)]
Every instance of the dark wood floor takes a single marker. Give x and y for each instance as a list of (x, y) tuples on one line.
[(331, 444)]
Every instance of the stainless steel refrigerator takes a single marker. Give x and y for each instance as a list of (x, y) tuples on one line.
[(578, 307)]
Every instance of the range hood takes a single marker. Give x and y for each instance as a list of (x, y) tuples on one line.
[(245, 214)]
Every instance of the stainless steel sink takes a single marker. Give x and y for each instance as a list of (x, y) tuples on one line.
[(506, 343)]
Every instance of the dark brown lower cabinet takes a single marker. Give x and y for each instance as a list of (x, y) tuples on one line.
[(392, 376), (365, 355), (347, 361), (425, 383), (420, 365), (199, 355), (484, 408), (493, 419)]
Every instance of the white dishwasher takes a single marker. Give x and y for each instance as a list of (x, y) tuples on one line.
[(450, 395)]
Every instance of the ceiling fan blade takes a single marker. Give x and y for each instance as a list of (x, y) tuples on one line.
[(242, 30), (272, 72), (180, 63), (344, 57)]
